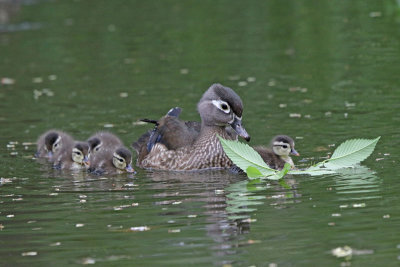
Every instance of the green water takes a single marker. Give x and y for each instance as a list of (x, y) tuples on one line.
[(319, 71)]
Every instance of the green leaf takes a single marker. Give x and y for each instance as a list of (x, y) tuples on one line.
[(253, 172), (347, 154), (245, 156), (280, 174), (351, 152)]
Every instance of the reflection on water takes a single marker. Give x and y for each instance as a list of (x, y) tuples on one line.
[(358, 183)]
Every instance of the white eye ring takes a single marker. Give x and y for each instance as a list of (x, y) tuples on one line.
[(222, 105)]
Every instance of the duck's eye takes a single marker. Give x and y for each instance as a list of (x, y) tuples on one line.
[(121, 160), (222, 105), (284, 146), (78, 153)]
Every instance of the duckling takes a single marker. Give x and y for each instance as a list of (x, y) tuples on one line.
[(111, 161), (51, 144), (219, 108), (73, 157), (103, 140), (282, 146)]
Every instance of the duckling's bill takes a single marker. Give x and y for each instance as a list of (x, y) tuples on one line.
[(294, 152), (129, 169)]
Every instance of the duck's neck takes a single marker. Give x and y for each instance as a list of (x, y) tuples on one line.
[(288, 159), (207, 130)]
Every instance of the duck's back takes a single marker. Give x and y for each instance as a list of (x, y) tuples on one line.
[(269, 157), (205, 153), (176, 133), (109, 140), (102, 161), (171, 132)]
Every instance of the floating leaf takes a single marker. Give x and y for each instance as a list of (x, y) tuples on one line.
[(351, 152), (253, 172), (245, 156), (348, 154), (280, 174)]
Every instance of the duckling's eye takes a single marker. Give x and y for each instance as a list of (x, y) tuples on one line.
[(224, 106), (78, 153), (284, 146), (121, 160)]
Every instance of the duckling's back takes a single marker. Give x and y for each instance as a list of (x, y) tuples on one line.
[(269, 157)]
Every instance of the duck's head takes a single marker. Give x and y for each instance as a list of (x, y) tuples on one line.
[(94, 145), (221, 106), (52, 143), (122, 159), (80, 153), (283, 145)]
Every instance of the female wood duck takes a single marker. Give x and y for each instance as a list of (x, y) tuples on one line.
[(52, 143), (179, 146), (111, 161), (73, 157), (282, 146)]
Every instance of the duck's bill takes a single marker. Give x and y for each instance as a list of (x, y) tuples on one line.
[(86, 161), (294, 152), (129, 169), (239, 129)]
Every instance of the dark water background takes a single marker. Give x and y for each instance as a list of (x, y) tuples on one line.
[(320, 71)]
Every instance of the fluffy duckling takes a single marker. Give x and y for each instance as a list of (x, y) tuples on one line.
[(111, 161), (74, 157), (103, 140), (282, 146), (52, 143)]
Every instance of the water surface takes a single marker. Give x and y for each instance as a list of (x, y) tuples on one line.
[(320, 72)]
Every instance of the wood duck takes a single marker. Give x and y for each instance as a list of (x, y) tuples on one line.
[(171, 132), (111, 161), (53, 143), (103, 140), (73, 157), (179, 145), (282, 146)]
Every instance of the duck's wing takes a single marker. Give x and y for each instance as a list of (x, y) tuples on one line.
[(169, 131)]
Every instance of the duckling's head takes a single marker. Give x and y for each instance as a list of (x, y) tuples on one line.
[(80, 152), (122, 159), (283, 146), (52, 143), (221, 106), (94, 145)]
